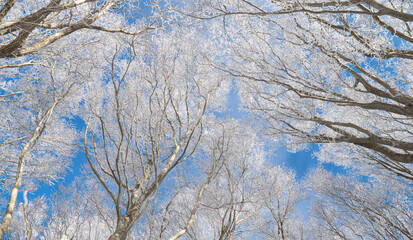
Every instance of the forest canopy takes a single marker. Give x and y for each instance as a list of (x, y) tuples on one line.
[(121, 109)]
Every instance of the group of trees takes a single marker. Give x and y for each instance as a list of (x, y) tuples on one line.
[(135, 88)]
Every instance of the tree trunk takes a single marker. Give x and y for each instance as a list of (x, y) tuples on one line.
[(123, 226), (13, 195), (19, 174)]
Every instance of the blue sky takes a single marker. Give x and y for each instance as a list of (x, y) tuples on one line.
[(301, 162)]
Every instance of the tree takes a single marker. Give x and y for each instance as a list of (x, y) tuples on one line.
[(327, 72), (336, 73), (280, 198), (174, 217), (245, 197), (77, 211), (26, 26), (146, 117), (36, 136), (28, 31), (346, 207)]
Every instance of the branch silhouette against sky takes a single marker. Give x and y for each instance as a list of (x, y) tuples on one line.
[(222, 119)]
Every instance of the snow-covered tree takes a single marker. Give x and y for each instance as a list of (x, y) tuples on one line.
[(348, 207), (48, 50), (161, 165), (77, 211), (336, 73), (234, 192), (145, 117), (326, 72), (29, 26), (35, 130)]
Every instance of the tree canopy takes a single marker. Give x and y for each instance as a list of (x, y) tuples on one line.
[(137, 94)]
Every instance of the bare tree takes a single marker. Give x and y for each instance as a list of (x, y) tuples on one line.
[(336, 73), (28, 31), (28, 26), (35, 133), (345, 207), (173, 217), (326, 72), (280, 198), (215, 151), (76, 211), (148, 119), (240, 202)]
